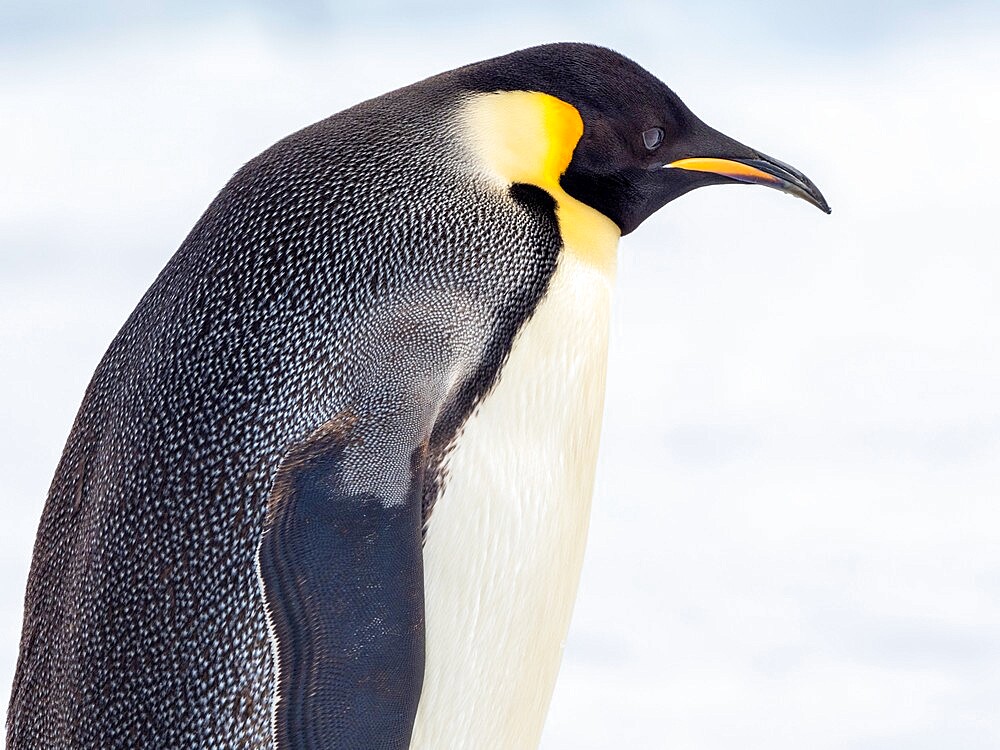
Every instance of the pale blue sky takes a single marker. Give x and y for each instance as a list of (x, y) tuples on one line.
[(827, 27), (795, 534)]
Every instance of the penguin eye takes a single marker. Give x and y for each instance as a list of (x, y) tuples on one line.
[(652, 138)]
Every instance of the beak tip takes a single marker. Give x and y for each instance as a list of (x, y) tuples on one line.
[(808, 190), (822, 205), (790, 180)]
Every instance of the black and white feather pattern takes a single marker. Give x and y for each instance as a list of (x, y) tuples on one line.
[(360, 264)]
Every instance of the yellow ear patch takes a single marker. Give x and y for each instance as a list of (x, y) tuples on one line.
[(529, 137)]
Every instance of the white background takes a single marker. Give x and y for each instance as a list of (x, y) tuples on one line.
[(796, 534)]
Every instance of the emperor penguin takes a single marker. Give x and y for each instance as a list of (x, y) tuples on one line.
[(329, 486)]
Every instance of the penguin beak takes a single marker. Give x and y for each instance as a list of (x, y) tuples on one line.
[(763, 170)]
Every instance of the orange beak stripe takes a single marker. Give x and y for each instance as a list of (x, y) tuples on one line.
[(727, 168)]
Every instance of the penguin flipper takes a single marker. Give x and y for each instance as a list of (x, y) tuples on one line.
[(342, 576)]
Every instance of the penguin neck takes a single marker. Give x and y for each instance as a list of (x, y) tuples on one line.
[(529, 137)]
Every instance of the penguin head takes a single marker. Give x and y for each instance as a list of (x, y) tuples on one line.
[(631, 144)]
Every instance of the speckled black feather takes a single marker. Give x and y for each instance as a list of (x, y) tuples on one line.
[(345, 271)]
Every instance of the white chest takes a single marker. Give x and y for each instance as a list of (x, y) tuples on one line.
[(506, 539)]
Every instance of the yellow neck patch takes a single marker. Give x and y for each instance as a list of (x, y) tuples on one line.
[(529, 137)]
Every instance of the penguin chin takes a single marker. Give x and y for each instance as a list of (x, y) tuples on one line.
[(635, 199), (618, 196), (678, 185), (631, 196)]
